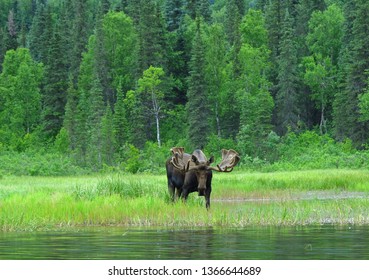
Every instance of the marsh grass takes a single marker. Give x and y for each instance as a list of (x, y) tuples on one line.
[(239, 199)]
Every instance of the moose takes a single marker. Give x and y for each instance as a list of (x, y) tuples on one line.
[(189, 173)]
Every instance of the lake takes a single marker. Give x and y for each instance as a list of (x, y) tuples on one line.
[(266, 243)]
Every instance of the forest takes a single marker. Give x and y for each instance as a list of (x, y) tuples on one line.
[(102, 85)]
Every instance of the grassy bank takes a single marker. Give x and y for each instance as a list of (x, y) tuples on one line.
[(239, 199)]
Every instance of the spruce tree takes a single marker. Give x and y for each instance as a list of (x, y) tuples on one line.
[(108, 139), (347, 114), (55, 86), (198, 8), (173, 14), (40, 26), (287, 94), (233, 21), (12, 32), (152, 37), (197, 94), (120, 122), (94, 124), (71, 111), (80, 35)]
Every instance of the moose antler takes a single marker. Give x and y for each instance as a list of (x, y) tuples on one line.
[(230, 158), (178, 160)]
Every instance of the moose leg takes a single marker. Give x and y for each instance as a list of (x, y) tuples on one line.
[(185, 194), (207, 198), (171, 190), (178, 193)]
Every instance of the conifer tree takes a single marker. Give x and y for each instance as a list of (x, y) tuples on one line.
[(80, 35), (108, 139), (233, 21), (197, 94), (287, 94), (273, 23), (94, 124), (174, 14), (40, 26), (198, 8), (152, 38), (347, 114), (137, 132), (55, 86), (12, 32), (71, 111), (120, 122)]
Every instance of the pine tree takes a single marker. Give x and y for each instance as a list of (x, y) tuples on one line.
[(198, 101), (233, 21), (273, 23), (12, 32), (71, 111), (120, 122), (287, 95), (346, 104), (137, 132), (94, 124), (55, 88), (80, 35), (173, 14), (108, 139), (152, 37), (40, 30), (198, 8), (82, 134)]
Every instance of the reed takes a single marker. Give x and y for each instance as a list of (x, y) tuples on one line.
[(239, 199)]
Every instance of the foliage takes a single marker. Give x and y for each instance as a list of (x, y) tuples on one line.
[(310, 150), (38, 163), (20, 109), (101, 81)]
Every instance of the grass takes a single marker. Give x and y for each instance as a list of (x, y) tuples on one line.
[(239, 199)]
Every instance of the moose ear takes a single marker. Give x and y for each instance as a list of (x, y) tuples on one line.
[(194, 159), (211, 160)]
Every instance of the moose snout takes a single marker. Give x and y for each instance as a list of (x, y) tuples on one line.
[(201, 190)]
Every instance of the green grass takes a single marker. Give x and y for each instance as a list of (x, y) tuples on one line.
[(239, 199)]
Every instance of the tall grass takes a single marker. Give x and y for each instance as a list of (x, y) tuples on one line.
[(38, 203)]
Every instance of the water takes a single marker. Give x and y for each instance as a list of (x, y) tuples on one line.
[(267, 243)]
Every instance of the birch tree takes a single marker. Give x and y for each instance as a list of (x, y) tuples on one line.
[(149, 85)]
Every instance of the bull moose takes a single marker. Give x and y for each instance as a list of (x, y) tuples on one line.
[(189, 173)]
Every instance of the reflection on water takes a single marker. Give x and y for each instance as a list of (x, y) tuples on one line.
[(326, 242)]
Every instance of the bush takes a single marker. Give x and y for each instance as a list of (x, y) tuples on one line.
[(310, 150), (37, 164)]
